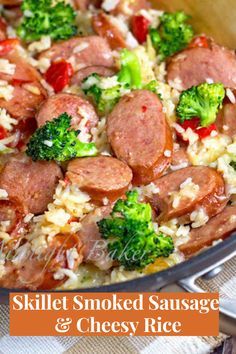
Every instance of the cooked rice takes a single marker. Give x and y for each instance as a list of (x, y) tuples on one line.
[(109, 5), (6, 121), (6, 67), (188, 190), (39, 46), (6, 90)]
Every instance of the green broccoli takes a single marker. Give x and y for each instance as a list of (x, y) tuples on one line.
[(173, 34), (56, 141), (130, 73), (104, 98), (43, 18), (202, 101), (131, 236), (153, 87), (129, 77), (233, 164)]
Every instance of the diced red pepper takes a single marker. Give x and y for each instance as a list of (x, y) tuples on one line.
[(206, 131), (7, 45), (140, 28), (58, 75), (3, 133), (191, 123), (194, 124), (199, 42)]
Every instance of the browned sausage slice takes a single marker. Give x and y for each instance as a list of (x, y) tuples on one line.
[(3, 29), (86, 51), (24, 72), (11, 2), (140, 135), (94, 247), (179, 158), (216, 229), (103, 26), (28, 92), (37, 272), (101, 177), (78, 78), (24, 103), (226, 120), (209, 193), (32, 183), (195, 65), (74, 105)]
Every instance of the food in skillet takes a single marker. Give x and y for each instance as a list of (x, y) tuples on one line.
[(117, 142)]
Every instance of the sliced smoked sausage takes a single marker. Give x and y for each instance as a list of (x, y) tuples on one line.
[(3, 29), (28, 92), (194, 66), (37, 271), (84, 51), (103, 26), (32, 183), (226, 120), (140, 135), (101, 177), (216, 229), (179, 199), (11, 2), (78, 78), (180, 158), (77, 107), (24, 103), (94, 247)]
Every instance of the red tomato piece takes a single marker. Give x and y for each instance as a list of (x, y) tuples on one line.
[(58, 75), (191, 123), (7, 45), (140, 28), (199, 42), (3, 133), (206, 131), (194, 124)]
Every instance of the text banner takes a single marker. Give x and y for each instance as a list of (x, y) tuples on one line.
[(120, 314)]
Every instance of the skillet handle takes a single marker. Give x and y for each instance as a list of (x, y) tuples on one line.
[(227, 306)]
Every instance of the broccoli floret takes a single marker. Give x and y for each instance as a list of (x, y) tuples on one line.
[(131, 236), (233, 164), (153, 87), (42, 18), (104, 98), (57, 141), (172, 35), (202, 101), (129, 77), (130, 73)]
